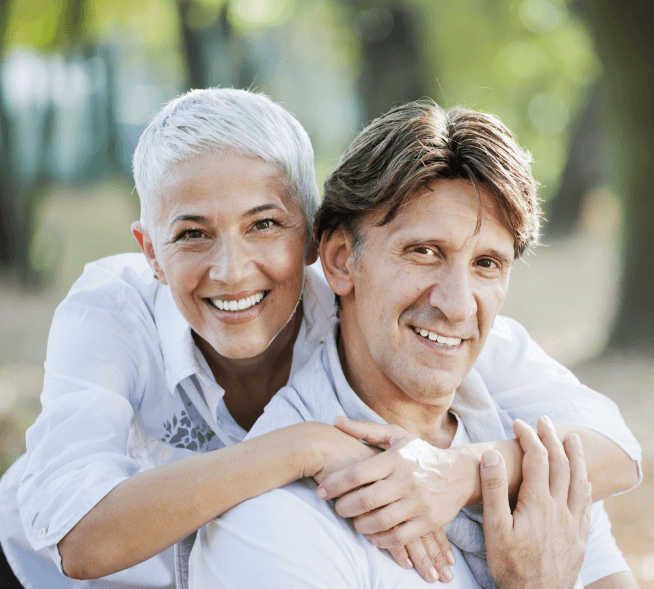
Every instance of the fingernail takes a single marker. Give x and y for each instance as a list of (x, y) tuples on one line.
[(547, 420), (340, 418), (450, 557), (447, 574), (490, 458), (408, 564), (576, 440), (322, 494), (433, 575)]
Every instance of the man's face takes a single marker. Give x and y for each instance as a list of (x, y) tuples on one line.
[(426, 291)]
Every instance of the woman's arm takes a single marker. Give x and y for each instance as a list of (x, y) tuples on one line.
[(414, 488), (152, 510)]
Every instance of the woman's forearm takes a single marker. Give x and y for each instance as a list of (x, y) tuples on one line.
[(610, 469), (153, 510)]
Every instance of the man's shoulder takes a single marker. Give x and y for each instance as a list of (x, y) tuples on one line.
[(295, 539)]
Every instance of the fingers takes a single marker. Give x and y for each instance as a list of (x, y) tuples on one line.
[(355, 476), (495, 495), (401, 535), (559, 471), (535, 462), (401, 556), (368, 499), (429, 559), (578, 492), (377, 434), (445, 546)]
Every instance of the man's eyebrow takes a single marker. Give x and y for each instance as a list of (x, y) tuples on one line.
[(502, 257)]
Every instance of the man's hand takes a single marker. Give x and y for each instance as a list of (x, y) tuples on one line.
[(542, 544)]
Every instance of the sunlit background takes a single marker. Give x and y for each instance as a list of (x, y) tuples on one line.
[(79, 80)]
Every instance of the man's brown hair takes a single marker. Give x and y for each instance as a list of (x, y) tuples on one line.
[(416, 143)]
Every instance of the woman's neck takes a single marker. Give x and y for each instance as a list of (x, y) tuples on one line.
[(250, 383)]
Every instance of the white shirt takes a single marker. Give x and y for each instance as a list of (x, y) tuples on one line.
[(124, 391), (297, 540)]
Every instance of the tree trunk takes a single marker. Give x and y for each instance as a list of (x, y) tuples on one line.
[(583, 171), (390, 43), (624, 37)]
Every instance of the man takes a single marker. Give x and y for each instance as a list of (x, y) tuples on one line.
[(419, 229)]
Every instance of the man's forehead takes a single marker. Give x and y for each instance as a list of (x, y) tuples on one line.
[(427, 198)]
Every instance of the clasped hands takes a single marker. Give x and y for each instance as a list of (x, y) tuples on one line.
[(402, 496)]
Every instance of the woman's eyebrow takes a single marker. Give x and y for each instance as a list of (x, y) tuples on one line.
[(195, 218), (260, 209)]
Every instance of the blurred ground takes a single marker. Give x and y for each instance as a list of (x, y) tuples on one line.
[(565, 294)]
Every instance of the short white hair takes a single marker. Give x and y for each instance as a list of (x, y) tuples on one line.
[(224, 120)]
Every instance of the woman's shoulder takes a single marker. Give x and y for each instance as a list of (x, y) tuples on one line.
[(124, 280)]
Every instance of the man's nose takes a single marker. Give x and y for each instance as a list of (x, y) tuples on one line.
[(453, 295), (231, 261)]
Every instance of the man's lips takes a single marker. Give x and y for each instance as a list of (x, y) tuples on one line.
[(232, 304), (445, 341)]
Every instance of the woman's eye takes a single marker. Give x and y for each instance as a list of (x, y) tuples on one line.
[(190, 235), (264, 224)]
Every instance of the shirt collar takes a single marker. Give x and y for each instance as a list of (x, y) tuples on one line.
[(472, 403), (351, 403), (180, 354)]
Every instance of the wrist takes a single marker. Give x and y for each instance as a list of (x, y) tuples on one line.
[(311, 447), (467, 464)]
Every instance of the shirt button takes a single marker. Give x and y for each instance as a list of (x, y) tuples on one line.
[(42, 533)]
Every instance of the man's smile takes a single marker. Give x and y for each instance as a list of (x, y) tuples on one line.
[(447, 342)]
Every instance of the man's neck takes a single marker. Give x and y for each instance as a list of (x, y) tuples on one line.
[(431, 422)]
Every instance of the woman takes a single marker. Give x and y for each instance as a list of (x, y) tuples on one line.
[(158, 364)]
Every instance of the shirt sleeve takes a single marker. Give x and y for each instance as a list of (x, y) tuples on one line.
[(77, 447), (276, 541), (603, 557), (525, 382)]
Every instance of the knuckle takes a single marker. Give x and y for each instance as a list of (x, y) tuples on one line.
[(492, 483), (541, 453), (368, 501)]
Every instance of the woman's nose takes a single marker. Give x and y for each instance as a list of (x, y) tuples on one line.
[(231, 262), (453, 296)]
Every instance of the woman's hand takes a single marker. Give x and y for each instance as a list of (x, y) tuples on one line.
[(401, 497), (334, 450)]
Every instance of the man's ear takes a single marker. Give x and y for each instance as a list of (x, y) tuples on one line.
[(145, 243), (338, 261)]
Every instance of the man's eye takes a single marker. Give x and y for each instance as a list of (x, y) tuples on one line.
[(425, 251), (487, 263)]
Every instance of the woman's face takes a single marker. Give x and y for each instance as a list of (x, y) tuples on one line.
[(230, 242)]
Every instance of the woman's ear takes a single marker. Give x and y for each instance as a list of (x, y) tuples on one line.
[(338, 261), (145, 243)]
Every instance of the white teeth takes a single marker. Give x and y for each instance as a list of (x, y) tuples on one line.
[(239, 305), (436, 337)]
